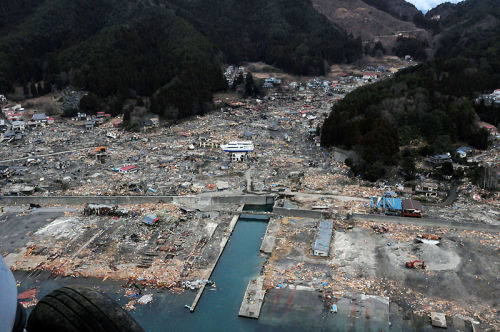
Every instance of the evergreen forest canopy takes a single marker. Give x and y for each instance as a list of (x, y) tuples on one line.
[(172, 50), (431, 103)]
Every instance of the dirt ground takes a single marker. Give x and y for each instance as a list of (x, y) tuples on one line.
[(261, 70), (46, 104)]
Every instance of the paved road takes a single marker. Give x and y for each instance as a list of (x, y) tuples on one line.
[(452, 195), (248, 178), (15, 228), (432, 222)]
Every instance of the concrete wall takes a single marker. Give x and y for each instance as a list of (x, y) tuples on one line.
[(79, 200), (243, 199), (300, 213)]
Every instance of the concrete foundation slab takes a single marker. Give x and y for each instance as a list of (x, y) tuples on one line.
[(253, 299), (438, 319)]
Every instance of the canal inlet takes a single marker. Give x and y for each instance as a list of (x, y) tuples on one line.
[(227, 237)]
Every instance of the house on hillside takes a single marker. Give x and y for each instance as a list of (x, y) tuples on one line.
[(463, 151), (489, 127), (439, 159), (370, 76), (13, 116), (273, 80), (12, 108), (89, 125), (39, 118), (428, 189), (18, 126)]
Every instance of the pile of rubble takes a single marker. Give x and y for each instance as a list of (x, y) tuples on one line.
[(120, 243)]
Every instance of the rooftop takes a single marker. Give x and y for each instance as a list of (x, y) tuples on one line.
[(324, 236), (410, 204)]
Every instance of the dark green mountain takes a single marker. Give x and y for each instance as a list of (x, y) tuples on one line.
[(432, 102), (171, 50), (289, 34)]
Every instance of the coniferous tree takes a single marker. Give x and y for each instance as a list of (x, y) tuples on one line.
[(33, 90), (251, 89)]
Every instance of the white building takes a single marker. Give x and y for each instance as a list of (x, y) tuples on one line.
[(18, 125), (235, 147), (239, 150)]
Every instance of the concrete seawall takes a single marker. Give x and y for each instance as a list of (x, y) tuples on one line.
[(79, 200)]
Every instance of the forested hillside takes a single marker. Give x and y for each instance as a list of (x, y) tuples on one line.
[(12, 11), (170, 50), (432, 102), (289, 34)]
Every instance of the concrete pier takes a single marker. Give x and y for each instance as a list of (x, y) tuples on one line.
[(211, 269), (270, 236), (253, 299)]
